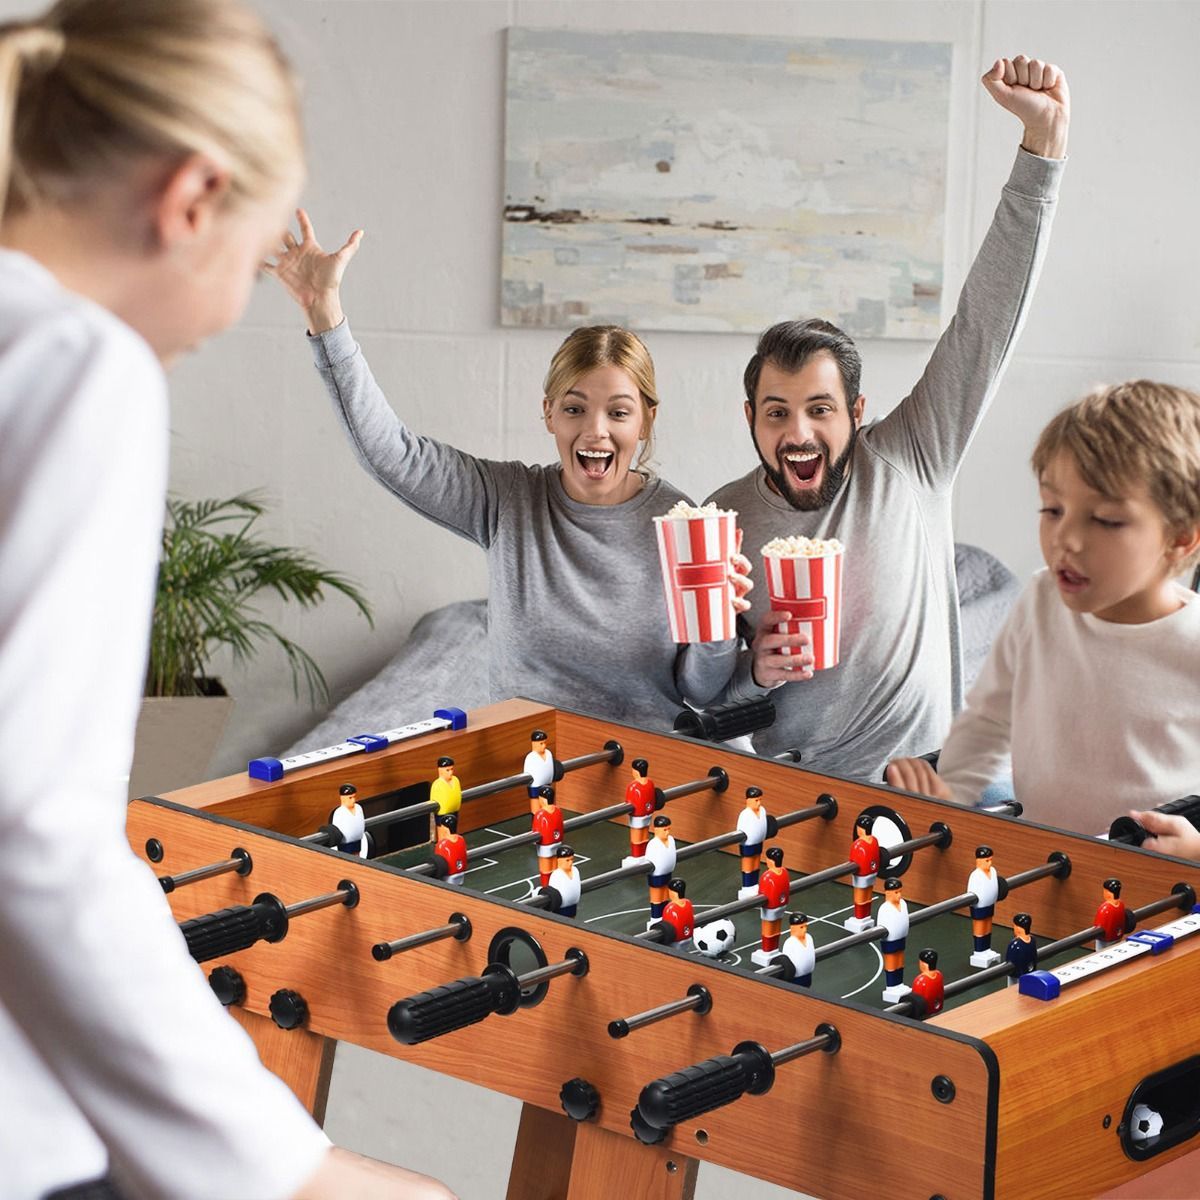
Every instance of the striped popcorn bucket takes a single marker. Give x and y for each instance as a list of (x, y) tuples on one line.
[(694, 553), (810, 588)]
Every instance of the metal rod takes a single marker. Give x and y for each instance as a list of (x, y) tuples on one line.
[(306, 906), (459, 927), (708, 783), (568, 966), (822, 1041), (239, 861), (698, 997)]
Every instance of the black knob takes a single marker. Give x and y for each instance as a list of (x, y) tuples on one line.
[(580, 1099), (454, 1005), (289, 1009), (218, 934), (708, 1085), (229, 986), (648, 1135)]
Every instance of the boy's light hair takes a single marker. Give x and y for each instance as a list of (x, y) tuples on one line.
[(1134, 433)]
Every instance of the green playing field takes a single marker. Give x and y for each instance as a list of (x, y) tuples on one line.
[(713, 880)]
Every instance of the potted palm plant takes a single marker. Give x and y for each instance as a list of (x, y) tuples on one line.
[(212, 572)]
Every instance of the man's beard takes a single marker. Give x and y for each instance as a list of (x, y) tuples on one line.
[(831, 481)]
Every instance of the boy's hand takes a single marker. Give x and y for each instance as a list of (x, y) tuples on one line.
[(1169, 834), (771, 666), (313, 277), (916, 775), (1036, 93)]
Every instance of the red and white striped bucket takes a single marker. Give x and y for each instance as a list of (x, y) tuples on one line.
[(810, 588), (694, 553)]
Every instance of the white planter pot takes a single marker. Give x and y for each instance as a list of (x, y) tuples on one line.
[(176, 739)]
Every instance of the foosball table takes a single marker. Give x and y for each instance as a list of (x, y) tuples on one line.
[(636, 1056)]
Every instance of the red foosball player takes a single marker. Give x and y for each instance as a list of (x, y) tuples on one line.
[(640, 793), (984, 884), (1113, 918), (451, 848), (752, 821), (660, 850), (864, 854), (893, 916), (539, 766), (564, 879), (679, 913), (548, 825), (928, 989), (1022, 951), (775, 884)]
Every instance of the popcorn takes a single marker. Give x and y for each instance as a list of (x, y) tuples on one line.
[(694, 548), (681, 508), (801, 547), (804, 579)]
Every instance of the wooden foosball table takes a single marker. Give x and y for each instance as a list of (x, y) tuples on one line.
[(636, 1060)]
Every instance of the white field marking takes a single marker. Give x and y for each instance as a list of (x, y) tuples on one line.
[(482, 866), (623, 912)]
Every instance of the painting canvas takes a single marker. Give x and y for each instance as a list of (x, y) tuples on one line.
[(699, 182)]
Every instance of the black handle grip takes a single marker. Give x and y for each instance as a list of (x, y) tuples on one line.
[(708, 1085), (454, 1005), (727, 720), (228, 930)]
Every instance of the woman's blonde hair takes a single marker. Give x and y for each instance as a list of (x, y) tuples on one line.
[(607, 346), (1137, 433), (96, 85)]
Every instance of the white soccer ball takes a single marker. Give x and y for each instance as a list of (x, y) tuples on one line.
[(1144, 1123), (714, 938)]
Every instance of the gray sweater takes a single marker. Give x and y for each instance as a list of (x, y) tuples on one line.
[(899, 681), (576, 616)]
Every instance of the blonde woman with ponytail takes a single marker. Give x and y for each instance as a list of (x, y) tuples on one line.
[(150, 151), (575, 608)]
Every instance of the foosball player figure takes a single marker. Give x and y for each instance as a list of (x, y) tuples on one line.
[(539, 766), (351, 822), (800, 950), (451, 848), (1112, 916), (564, 879), (752, 821), (864, 854), (775, 884), (639, 793), (679, 913), (548, 825), (984, 884), (893, 917), (928, 988), (1022, 951), (660, 850), (445, 791)]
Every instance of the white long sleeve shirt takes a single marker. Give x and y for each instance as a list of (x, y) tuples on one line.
[(1095, 717), (113, 1048)]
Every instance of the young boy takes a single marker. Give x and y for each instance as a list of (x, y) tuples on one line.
[(1093, 685)]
